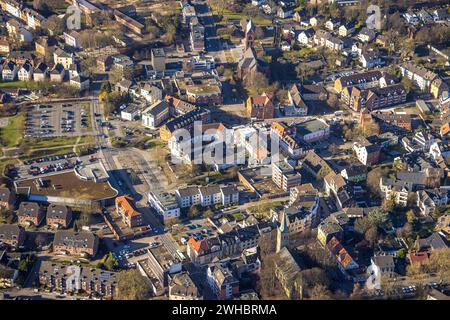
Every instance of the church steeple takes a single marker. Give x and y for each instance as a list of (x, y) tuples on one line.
[(249, 35), (283, 232)]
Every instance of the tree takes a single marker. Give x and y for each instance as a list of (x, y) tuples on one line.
[(320, 292), (55, 25), (110, 262), (440, 263), (132, 285), (371, 235), (407, 83), (333, 101), (193, 212), (410, 216)]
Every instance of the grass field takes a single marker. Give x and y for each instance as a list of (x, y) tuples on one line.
[(12, 134), (230, 15), (18, 84), (58, 141)]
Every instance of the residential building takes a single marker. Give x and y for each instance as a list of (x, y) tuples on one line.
[(221, 281), (12, 235), (25, 72), (382, 266), (182, 287), (84, 244), (156, 114), (76, 279), (7, 198), (367, 153), (260, 107), (58, 216), (210, 195), (429, 200), (64, 58), (345, 261), (285, 176), (30, 213), (165, 205), (333, 226), (420, 76), (126, 209)]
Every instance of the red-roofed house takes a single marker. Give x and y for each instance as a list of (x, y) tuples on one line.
[(260, 107), (417, 257), (125, 208), (344, 259)]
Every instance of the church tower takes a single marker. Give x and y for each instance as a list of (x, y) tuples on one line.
[(283, 233), (249, 35)]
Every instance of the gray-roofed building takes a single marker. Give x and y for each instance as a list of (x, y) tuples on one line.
[(12, 235), (383, 266), (433, 242), (313, 130), (75, 279), (154, 115), (75, 243), (287, 271), (7, 198), (30, 213), (182, 287), (210, 195), (59, 216)]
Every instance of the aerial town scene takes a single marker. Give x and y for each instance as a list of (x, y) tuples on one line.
[(224, 150)]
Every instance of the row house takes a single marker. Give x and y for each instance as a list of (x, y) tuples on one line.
[(363, 80), (206, 196), (58, 216), (129, 22), (84, 244), (224, 245), (75, 279), (419, 75), (222, 281)]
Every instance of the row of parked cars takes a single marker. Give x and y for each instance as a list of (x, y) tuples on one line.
[(60, 166), (53, 158)]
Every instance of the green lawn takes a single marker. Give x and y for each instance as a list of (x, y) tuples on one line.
[(58, 141), (18, 84), (11, 135)]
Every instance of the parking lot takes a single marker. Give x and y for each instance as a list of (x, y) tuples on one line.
[(58, 120), (198, 230), (45, 165)]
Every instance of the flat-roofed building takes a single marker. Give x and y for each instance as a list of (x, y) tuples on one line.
[(165, 204), (285, 176)]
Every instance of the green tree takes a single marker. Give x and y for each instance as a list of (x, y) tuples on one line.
[(111, 263), (132, 285)]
